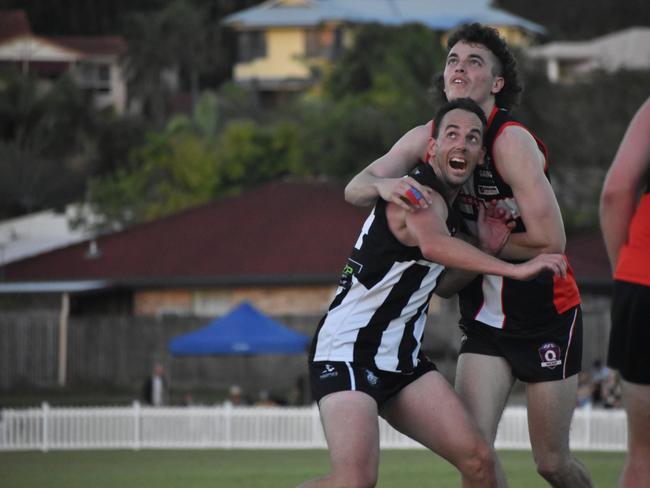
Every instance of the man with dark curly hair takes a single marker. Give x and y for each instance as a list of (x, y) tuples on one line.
[(530, 331)]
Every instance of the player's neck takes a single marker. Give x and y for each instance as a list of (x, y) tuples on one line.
[(488, 106), (448, 192)]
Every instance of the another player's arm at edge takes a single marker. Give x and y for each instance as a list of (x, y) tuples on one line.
[(623, 183), (521, 165), (385, 175)]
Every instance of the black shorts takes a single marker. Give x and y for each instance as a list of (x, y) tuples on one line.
[(548, 353), (327, 377), (630, 335)]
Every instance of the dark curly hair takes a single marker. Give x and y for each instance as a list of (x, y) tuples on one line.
[(486, 36)]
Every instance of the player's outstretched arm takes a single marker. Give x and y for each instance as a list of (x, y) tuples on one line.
[(428, 230), (494, 227)]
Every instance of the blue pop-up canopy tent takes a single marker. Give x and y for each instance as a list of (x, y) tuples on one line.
[(243, 330)]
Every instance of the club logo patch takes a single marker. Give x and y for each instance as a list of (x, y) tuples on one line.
[(328, 372), (487, 190), (371, 378), (550, 354), (351, 268)]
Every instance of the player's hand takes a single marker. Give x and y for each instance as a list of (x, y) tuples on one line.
[(494, 227), (395, 190), (555, 263)]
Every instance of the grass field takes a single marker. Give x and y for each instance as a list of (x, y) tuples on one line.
[(255, 469)]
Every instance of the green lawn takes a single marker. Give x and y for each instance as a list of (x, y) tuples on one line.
[(254, 469)]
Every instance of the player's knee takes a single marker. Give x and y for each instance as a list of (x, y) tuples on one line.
[(480, 464), (552, 466)]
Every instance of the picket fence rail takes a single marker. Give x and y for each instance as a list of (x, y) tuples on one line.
[(138, 427)]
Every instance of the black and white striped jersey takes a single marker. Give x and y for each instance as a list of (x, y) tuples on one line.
[(378, 315)]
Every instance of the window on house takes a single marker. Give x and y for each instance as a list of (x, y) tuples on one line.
[(94, 76), (251, 45), (324, 42)]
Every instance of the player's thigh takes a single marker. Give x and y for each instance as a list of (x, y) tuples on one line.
[(550, 409), (430, 412), (484, 383), (350, 423), (637, 403)]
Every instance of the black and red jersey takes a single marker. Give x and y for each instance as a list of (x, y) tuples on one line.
[(494, 300)]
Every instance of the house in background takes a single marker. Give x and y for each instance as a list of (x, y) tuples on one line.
[(281, 246), (39, 232), (280, 42), (93, 61), (568, 62)]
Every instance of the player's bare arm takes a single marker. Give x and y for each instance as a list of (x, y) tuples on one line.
[(623, 183), (426, 228), (521, 165), (384, 177), (494, 227)]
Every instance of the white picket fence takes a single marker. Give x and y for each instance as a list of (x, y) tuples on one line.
[(138, 427)]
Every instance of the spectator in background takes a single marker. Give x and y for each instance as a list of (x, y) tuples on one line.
[(235, 397), (610, 391), (265, 400), (599, 372), (586, 392), (155, 388)]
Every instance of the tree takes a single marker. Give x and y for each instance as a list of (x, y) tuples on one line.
[(164, 45), (46, 143), (580, 19), (582, 125), (186, 164), (171, 170), (380, 88)]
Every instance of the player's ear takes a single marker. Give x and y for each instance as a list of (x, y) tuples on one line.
[(431, 145), (481, 159), (497, 85)]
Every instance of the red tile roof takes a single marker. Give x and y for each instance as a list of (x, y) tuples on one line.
[(300, 231), (13, 23), (95, 45), (278, 231)]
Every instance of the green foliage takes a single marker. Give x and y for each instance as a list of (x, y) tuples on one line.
[(250, 154), (46, 143), (582, 125), (386, 58), (580, 19), (377, 91), (175, 170), (164, 44), (184, 165)]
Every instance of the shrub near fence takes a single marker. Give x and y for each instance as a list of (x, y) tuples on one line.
[(226, 427)]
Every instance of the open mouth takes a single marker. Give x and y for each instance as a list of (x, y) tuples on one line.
[(457, 163)]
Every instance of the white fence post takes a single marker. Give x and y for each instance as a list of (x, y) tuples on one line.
[(228, 425), (137, 428), (50, 428), (45, 408)]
